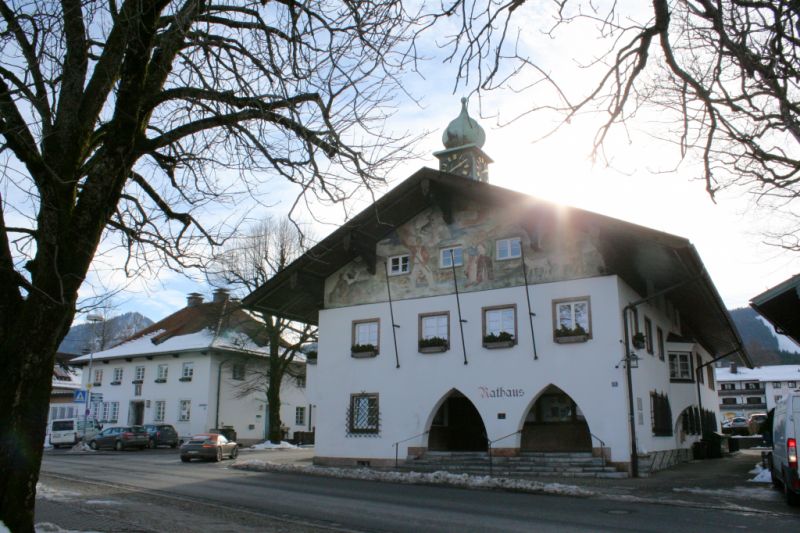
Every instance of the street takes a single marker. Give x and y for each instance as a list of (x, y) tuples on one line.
[(153, 491)]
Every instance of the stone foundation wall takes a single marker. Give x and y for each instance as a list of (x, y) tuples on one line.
[(655, 461)]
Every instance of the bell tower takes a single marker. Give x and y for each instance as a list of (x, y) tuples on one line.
[(463, 139)]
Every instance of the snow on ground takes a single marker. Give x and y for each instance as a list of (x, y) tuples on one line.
[(80, 448), (762, 474), (739, 493), (47, 527), (49, 493), (427, 478), (267, 445), (3, 528)]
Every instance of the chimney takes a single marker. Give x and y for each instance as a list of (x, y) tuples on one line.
[(220, 295), (193, 299), (733, 368)]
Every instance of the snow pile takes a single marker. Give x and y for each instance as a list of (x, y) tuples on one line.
[(49, 493), (47, 527), (267, 445), (3, 528), (762, 474), (419, 478), (80, 448)]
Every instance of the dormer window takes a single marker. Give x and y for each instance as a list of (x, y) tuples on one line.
[(508, 248), (399, 264)]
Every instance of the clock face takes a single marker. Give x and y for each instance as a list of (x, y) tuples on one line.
[(459, 164)]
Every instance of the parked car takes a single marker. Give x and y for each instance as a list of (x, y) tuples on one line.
[(785, 436), (735, 423), (70, 431), (120, 438), (754, 422), (161, 434), (209, 446)]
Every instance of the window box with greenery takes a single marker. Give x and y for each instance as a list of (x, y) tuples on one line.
[(161, 380), (96, 384), (503, 339), (137, 381), (565, 335), (363, 350), (433, 345), (185, 378), (115, 383), (638, 340)]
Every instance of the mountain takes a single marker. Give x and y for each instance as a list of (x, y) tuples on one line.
[(762, 343), (105, 334)]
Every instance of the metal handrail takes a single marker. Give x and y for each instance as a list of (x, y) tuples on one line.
[(602, 447), (396, 445), (490, 442)]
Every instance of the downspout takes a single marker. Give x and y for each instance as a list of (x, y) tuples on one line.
[(458, 305), (391, 315), (531, 314)]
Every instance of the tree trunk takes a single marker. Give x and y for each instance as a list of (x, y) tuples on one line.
[(27, 352), (274, 404)]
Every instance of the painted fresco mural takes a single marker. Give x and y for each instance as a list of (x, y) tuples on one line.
[(552, 253)]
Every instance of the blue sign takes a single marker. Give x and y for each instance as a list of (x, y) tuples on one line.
[(79, 396)]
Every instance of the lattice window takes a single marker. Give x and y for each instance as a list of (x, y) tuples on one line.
[(363, 415)]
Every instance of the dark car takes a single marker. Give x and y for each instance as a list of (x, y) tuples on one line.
[(120, 438), (209, 446), (161, 435)]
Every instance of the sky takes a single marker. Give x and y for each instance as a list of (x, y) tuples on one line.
[(645, 182)]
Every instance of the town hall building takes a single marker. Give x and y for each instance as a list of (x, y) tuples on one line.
[(456, 316)]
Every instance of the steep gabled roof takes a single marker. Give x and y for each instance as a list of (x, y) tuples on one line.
[(637, 254), (221, 325), (781, 306)]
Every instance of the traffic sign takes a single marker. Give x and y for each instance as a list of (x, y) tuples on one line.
[(79, 396)]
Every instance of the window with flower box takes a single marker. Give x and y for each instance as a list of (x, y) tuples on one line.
[(572, 320), (434, 332), (499, 326), (366, 338)]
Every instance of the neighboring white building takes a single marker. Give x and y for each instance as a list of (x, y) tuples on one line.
[(744, 391), (452, 311), (66, 380), (191, 370)]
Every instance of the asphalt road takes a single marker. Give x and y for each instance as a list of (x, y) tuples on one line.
[(312, 503)]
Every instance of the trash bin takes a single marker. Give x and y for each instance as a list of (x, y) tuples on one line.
[(733, 444), (713, 443), (699, 450)]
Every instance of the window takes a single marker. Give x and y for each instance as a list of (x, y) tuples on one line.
[(700, 377), (710, 373), (778, 398), (184, 410), (508, 248), (791, 384), (237, 372), (399, 264), (434, 331), (729, 401), (139, 376), (660, 414), (160, 409), (106, 409), (137, 389), (572, 316), (776, 384), (363, 416), (680, 366), (366, 337), (500, 324), (648, 335), (163, 371), (299, 416), (188, 370), (752, 386), (449, 257), (98, 376), (728, 386), (113, 414), (301, 382), (118, 375), (660, 340), (751, 400)]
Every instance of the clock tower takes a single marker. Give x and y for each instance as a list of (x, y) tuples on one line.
[(463, 140)]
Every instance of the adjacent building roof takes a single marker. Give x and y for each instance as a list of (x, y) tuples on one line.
[(759, 373), (643, 257), (781, 306), (219, 325)]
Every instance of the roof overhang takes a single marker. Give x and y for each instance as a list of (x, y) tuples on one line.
[(648, 260), (780, 305)]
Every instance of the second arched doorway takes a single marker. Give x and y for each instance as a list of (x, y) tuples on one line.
[(457, 426), (554, 423)]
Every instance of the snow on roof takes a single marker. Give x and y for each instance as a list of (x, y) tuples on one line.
[(760, 373)]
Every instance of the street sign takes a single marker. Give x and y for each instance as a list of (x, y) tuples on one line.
[(97, 397), (79, 396)]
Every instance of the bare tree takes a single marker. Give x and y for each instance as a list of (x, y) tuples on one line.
[(726, 73), (246, 263), (121, 121)]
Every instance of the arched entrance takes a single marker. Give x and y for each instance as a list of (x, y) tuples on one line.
[(457, 426), (554, 423)]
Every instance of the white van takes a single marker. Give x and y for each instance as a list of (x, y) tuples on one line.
[(785, 437), (69, 431)]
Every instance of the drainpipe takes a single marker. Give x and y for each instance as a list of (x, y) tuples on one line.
[(219, 386)]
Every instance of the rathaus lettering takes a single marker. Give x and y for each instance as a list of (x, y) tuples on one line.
[(500, 392)]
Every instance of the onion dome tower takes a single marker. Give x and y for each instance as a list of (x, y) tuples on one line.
[(463, 139)]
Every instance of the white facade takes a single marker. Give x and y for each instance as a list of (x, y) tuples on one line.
[(744, 391), (409, 396)]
